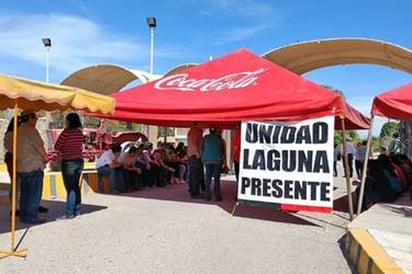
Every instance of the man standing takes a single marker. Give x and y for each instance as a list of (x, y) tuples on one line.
[(213, 159), (194, 146), (350, 151), (31, 160)]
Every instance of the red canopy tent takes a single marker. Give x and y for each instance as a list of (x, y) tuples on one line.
[(353, 119), (395, 104), (238, 86)]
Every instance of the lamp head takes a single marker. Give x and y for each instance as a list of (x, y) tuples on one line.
[(151, 22), (47, 42)]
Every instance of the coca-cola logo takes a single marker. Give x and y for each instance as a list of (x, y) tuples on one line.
[(236, 80)]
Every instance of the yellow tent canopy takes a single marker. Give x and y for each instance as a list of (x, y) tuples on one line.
[(18, 92), (30, 94)]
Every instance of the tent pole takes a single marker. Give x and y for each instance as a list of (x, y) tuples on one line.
[(346, 165), (13, 251), (364, 168)]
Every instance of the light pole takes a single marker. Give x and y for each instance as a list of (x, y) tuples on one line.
[(47, 45), (151, 22)]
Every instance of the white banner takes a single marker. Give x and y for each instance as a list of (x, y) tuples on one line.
[(287, 163)]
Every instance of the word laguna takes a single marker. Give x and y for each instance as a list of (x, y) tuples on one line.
[(287, 162)]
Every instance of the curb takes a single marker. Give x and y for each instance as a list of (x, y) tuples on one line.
[(366, 255)]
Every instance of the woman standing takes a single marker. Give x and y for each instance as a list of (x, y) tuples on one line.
[(70, 146)]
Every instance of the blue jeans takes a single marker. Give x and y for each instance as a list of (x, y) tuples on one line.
[(71, 171), (31, 185), (116, 177), (213, 170)]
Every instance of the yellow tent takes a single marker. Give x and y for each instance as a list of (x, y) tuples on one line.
[(18, 93)]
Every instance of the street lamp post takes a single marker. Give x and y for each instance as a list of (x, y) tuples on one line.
[(47, 45), (151, 22)]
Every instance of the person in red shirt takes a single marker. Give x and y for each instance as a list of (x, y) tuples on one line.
[(69, 144)]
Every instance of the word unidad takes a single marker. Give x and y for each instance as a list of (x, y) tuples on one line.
[(286, 160), (278, 134)]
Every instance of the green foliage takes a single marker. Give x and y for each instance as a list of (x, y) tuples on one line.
[(375, 143), (351, 133), (388, 129)]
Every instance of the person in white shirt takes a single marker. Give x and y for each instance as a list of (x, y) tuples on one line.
[(108, 164), (350, 149)]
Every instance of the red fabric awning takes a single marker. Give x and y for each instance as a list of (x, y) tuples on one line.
[(395, 104), (353, 119), (240, 86)]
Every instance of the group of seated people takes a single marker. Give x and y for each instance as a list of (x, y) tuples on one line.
[(137, 165), (387, 178)]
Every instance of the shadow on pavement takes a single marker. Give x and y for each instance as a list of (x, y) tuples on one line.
[(179, 193), (341, 204), (56, 209)]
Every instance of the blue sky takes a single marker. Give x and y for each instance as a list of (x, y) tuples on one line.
[(190, 31)]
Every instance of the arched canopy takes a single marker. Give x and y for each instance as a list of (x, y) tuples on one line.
[(106, 78), (307, 56), (179, 68)]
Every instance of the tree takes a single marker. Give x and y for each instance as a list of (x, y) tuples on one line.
[(349, 133), (388, 129)]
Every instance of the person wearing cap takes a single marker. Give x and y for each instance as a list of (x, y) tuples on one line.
[(31, 161), (213, 159), (69, 144)]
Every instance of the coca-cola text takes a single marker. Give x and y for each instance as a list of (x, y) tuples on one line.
[(231, 81)]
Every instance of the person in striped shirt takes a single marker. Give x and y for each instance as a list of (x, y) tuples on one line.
[(69, 144)]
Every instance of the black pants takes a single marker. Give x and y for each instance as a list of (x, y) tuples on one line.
[(132, 179), (350, 162), (196, 176), (358, 167)]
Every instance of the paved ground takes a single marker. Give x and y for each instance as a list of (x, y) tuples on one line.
[(163, 231), (384, 235)]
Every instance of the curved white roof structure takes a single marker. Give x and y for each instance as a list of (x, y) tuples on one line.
[(299, 58), (307, 56), (106, 78)]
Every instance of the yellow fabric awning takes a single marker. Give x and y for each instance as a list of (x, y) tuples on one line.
[(30, 94)]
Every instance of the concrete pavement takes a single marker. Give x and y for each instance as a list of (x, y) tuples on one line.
[(163, 230), (380, 239)]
